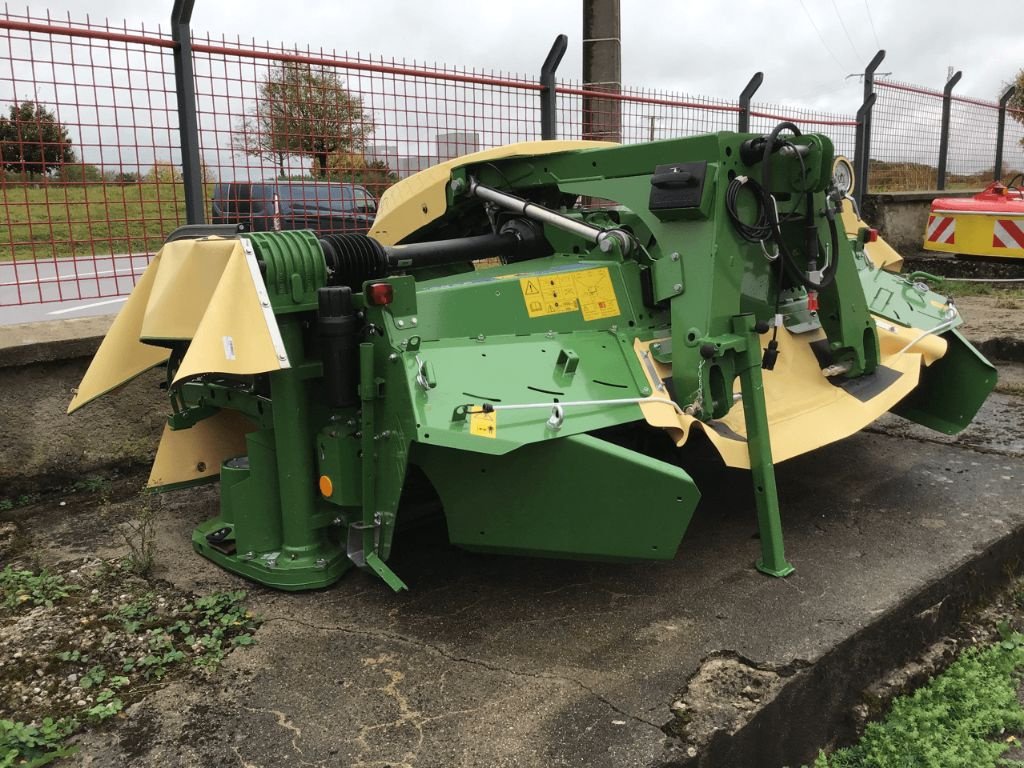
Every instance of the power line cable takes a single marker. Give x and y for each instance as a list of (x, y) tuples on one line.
[(846, 31), (873, 32), (823, 41)]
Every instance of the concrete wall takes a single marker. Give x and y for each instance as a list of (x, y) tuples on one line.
[(901, 216), (41, 364)]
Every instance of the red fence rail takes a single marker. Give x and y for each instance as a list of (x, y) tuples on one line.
[(91, 185)]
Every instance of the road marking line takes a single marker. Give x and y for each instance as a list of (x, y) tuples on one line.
[(72, 276), (88, 306)]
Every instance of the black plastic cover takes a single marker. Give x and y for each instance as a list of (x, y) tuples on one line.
[(678, 186)]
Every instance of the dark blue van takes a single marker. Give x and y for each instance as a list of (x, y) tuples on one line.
[(323, 206)]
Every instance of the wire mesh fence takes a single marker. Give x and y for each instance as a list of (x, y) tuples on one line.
[(906, 135), (91, 182)]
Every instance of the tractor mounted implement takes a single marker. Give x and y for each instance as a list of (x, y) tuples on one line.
[(540, 329)]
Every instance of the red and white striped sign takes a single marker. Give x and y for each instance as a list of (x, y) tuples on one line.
[(941, 229), (1007, 233)]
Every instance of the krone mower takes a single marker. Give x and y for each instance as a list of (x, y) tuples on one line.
[(700, 289)]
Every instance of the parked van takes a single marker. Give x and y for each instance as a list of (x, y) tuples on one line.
[(325, 207)]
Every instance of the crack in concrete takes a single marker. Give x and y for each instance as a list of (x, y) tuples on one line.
[(394, 636), (982, 449), (284, 722)]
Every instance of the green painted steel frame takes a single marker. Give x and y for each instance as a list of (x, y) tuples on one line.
[(455, 340)]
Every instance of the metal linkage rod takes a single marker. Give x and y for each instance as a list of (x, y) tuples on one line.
[(604, 238)]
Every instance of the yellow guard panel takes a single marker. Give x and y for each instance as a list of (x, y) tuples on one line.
[(193, 455), (230, 331), (188, 275), (121, 356), (421, 198), (234, 334), (805, 410), (882, 255)]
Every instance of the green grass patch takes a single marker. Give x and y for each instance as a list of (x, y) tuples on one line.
[(959, 720), (962, 289), (53, 220)]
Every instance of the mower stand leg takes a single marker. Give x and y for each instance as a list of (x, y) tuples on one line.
[(759, 447), (371, 520)]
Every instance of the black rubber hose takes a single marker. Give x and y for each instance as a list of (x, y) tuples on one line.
[(437, 253)]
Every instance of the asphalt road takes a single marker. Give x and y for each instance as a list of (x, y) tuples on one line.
[(50, 289)]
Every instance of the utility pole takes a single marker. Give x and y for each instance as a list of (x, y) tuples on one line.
[(602, 69)]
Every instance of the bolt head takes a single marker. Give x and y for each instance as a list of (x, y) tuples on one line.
[(674, 256), (645, 390), (414, 321), (400, 323), (678, 287)]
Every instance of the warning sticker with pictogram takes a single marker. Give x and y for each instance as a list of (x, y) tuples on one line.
[(590, 291), (482, 423)]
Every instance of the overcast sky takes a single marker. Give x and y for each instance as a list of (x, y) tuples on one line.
[(806, 49), (810, 52)]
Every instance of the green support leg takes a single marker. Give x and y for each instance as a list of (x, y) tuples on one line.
[(759, 446), (370, 525)]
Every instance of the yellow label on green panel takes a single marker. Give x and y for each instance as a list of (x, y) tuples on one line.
[(483, 423), (590, 291)]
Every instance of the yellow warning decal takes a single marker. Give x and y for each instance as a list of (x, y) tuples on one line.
[(481, 423), (590, 291)]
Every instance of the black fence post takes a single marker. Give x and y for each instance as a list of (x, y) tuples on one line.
[(862, 133), (1001, 129), (863, 114), (947, 102), (548, 96), (743, 119), (188, 127)]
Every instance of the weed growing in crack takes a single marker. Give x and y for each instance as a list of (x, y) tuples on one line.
[(139, 534)]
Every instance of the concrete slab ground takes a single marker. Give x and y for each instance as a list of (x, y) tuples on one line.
[(507, 661)]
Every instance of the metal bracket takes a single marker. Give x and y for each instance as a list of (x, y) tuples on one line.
[(354, 548)]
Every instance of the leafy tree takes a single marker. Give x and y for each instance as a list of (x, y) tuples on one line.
[(78, 173), (163, 172), (305, 111), (125, 177), (1016, 104), (32, 141), (166, 172), (354, 168)]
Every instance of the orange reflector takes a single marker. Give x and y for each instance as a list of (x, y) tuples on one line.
[(380, 294), (326, 486)]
